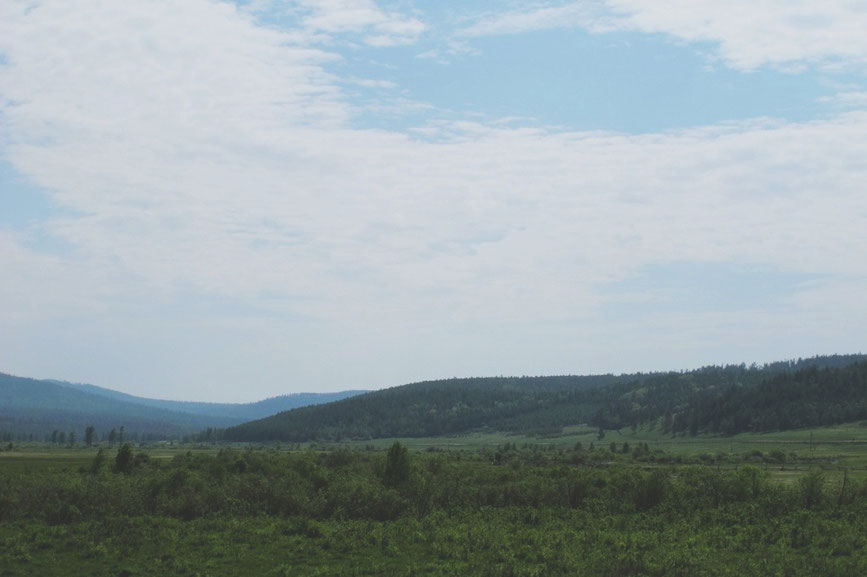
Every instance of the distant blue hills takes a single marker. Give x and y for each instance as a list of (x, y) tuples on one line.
[(35, 409)]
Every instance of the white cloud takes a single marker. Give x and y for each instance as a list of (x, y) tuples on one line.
[(378, 27), (572, 15), (208, 159), (372, 83), (850, 99), (750, 33)]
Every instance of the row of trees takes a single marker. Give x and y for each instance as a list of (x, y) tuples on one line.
[(90, 438)]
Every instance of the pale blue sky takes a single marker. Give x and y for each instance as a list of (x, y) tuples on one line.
[(216, 201), (570, 78)]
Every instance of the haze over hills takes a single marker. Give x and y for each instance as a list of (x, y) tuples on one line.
[(720, 400), (716, 399), (233, 411), (38, 407)]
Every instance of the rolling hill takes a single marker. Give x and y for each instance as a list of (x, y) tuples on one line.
[(38, 407), (722, 400)]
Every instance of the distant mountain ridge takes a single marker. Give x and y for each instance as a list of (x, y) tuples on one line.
[(38, 407), (239, 411), (679, 402)]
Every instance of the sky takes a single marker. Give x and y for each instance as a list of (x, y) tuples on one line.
[(228, 201)]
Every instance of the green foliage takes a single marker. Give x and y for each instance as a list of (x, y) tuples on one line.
[(397, 468), (812, 488), (98, 462), (124, 461), (332, 513)]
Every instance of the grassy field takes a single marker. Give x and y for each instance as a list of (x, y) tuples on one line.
[(832, 448), (786, 455), (41, 456), (845, 441)]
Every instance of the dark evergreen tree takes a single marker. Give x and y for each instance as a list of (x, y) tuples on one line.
[(98, 462), (123, 462), (397, 467)]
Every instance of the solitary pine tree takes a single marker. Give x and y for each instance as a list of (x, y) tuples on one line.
[(396, 466), (124, 461), (98, 462)]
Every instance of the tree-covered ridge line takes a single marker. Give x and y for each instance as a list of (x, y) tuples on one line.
[(430, 408), (36, 408), (716, 399)]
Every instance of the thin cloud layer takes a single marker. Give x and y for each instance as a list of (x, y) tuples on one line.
[(219, 199), (590, 15), (749, 34), (753, 34), (327, 20)]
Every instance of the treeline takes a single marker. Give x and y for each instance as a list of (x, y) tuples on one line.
[(90, 436), (26, 425), (728, 399)]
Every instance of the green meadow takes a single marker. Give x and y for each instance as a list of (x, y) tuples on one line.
[(631, 503), (834, 447)]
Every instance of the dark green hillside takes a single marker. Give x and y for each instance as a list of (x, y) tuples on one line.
[(678, 402), (436, 408), (810, 397), (735, 399)]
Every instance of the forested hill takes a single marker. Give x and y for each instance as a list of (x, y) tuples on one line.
[(724, 399), (430, 408), (39, 407), (809, 397)]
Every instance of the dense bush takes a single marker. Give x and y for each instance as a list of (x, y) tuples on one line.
[(338, 512), (370, 485)]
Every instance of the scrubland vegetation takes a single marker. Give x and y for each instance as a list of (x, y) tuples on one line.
[(505, 510)]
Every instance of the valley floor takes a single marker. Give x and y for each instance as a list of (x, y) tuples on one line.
[(634, 503)]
